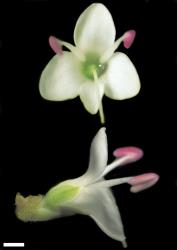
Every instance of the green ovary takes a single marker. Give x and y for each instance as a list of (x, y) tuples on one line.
[(91, 65), (60, 194)]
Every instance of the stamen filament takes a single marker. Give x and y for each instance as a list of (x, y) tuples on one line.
[(108, 53), (118, 162), (76, 51), (111, 183)]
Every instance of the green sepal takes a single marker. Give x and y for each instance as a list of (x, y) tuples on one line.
[(60, 194)]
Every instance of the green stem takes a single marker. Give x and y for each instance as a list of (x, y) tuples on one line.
[(101, 113)]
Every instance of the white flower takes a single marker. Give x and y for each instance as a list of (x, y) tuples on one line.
[(91, 68), (89, 194)]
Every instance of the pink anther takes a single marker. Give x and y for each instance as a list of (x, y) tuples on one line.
[(133, 153), (55, 45), (129, 38), (143, 181)]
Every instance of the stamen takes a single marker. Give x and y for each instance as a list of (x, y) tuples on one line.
[(139, 183), (55, 45), (129, 37), (125, 155)]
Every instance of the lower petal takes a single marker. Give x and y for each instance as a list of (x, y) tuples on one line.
[(61, 79), (122, 78), (91, 94), (100, 204)]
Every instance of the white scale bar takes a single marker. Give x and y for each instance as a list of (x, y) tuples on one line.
[(13, 244)]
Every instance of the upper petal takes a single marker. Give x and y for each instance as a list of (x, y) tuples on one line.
[(91, 94), (122, 78), (98, 160), (95, 30), (61, 78), (98, 155), (100, 204)]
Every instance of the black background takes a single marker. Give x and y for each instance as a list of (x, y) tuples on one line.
[(46, 142)]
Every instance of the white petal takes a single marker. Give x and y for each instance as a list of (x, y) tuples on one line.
[(98, 156), (91, 94), (100, 204), (122, 78), (61, 78), (98, 160), (95, 30)]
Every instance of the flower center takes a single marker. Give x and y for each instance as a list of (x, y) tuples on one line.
[(91, 65)]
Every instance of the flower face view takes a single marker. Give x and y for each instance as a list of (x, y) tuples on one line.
[(91, 68), (89, 194)]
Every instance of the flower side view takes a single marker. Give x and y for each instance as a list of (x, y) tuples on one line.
[(89, 194), (91, 67)]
